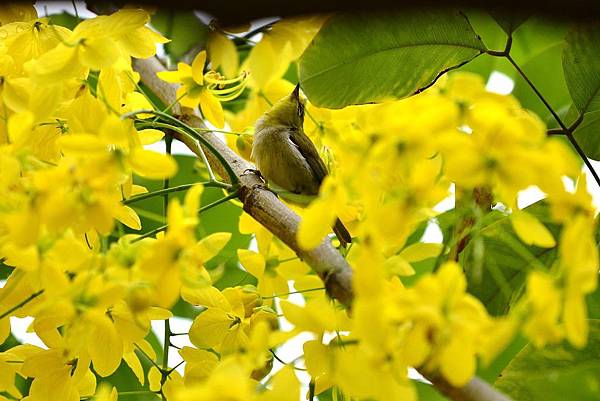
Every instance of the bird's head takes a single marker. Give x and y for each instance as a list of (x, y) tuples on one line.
[(288, 111)]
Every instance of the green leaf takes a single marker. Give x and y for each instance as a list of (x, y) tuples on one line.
[(587, 134), (362, 58), (582, 66), (582, 72), (64, 19), (555, 373), (537, 49), (491, 372), (494, 38), (496, 262), (510, 21), (184, 29)]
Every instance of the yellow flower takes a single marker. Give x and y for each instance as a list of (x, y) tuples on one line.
[(274, 269), (221, 326), (228, 381), (95, 44), (279, 46), (56, 377), (542, 325), (204, 90)]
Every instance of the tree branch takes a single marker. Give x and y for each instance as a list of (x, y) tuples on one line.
[(274, 215)]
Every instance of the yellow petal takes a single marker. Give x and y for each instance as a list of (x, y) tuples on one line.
[(152, 165), (150, 136), (457, 362), (199, 363), (138, 190), (397, 265), (253, 262), (265, 63), (169, 76), (212, 244), (223, 53), (20, 128), (82, 144), (98, 53), (141, 42), (198, 67), (87, 385), (420, 251), (316, 358), (575, 318), (105, 345), (210, 328), (286, 387), (137, 101), (135, 365), (56, 65), (206, 296), (315, 224), (154, 378), (127, 216), (212, 109), (4, 329), (531, 231)]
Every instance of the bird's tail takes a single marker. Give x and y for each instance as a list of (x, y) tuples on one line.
[(342, 233)]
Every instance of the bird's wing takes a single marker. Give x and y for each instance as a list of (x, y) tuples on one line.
[(310, 153)]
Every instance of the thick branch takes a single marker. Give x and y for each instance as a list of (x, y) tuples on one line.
[(269, 211)]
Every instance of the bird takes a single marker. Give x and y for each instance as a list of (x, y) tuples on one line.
[(287, 159)]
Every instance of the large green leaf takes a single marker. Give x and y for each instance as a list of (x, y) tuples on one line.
[(582, 66), (537, 49), (493, 37), (555, 373), (362, 58), (496, 262), (510, 21), (582, 73), (587, 134), (183, 28)]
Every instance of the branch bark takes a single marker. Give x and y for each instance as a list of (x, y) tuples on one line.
[(269, 211)]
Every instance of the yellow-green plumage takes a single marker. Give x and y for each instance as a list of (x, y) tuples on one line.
[(286, 157)]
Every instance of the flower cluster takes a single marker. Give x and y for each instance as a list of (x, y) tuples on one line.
[(75, 122)]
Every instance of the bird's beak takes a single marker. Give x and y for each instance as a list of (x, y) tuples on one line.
[(296, 92)]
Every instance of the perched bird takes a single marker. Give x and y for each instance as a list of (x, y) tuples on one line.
[(287, 158)]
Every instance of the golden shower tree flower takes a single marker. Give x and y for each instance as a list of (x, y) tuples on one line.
[(204, 90)]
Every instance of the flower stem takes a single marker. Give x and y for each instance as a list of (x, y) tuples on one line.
[(294, 292), (191, 132), (211, 174), (22, 303), (179, 188)]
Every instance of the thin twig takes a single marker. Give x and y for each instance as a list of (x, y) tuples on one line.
[(147, 356), (184, 187), (566, 130)]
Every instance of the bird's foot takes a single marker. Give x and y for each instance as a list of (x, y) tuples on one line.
[(255, 172), (264, 184)]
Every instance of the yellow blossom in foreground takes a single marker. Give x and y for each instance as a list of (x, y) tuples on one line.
[(204, 90)]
